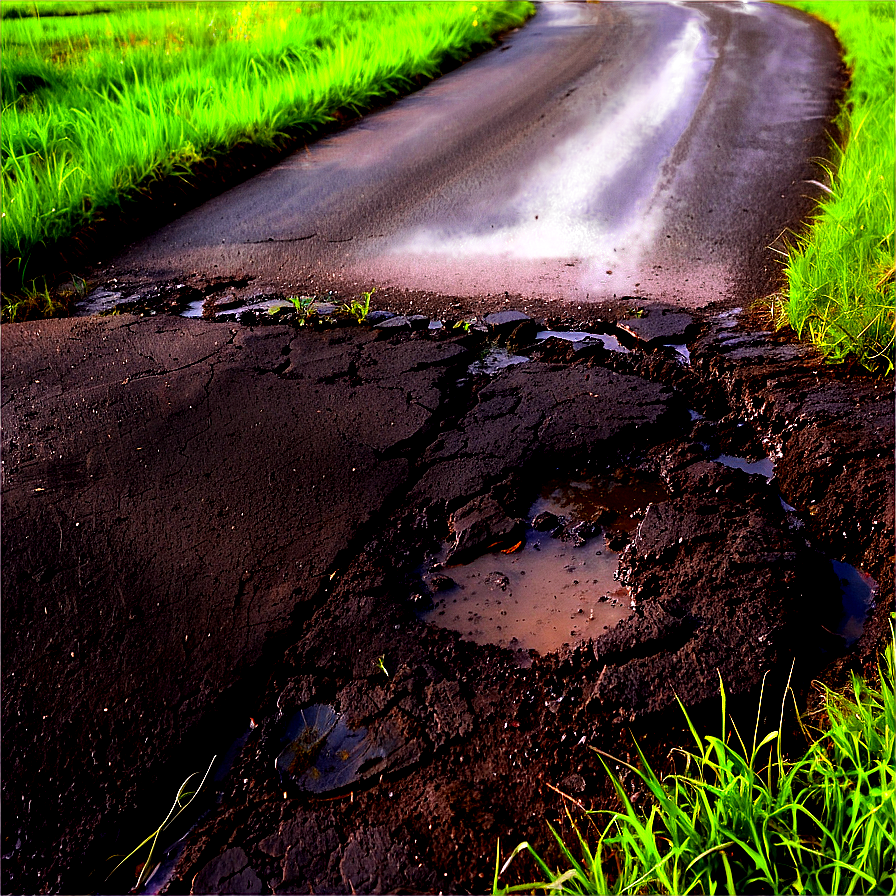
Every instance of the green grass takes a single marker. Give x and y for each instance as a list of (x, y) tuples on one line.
[(98, 105), (182, 801), (742, 818), (841, 293)]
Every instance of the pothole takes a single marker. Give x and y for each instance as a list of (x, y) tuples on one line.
[(559, 584)]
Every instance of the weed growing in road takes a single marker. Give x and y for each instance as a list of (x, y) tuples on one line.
[(741, 818), (359, 308), (100, 103), (304, 306), (841, 291), (30, 303)]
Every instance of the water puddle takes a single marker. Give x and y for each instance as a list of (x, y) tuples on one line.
[(764, 467), (495, 360), (324, 753), (194, 309), (560, 585), (683, 352), (610, 343), (858, 590)]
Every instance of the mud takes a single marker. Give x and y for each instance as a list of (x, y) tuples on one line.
[(207, 523), (558, 585)]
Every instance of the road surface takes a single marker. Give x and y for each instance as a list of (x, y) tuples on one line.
[(619, 148)]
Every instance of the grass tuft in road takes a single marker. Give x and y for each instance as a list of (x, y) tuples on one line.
[(840, 274), (100, 99), (742, 818)]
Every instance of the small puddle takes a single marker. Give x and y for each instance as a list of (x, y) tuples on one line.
[(561, 587), (100, 301), (683, 352), (764, 467), (858, 590), (610, 343), (494, 360), (324, 753), (194, 309)]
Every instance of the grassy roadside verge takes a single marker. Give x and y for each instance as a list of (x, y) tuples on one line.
[(743, 818), (102, 99), (841, 291)]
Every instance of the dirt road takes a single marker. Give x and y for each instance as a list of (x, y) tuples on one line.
[(603, 150)]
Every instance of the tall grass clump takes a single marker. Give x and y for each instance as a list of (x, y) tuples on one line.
[(742, 818), (100, 99), (840, 274)]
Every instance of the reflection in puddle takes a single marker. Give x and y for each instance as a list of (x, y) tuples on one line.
[(764, 467), (194, 309), (683, 352), (324, 753), (596, 498), (561, 586), (859, 591), (493, 360), (99, 301), (610, 343)]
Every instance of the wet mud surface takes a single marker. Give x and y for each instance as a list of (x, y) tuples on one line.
[(223, 538)]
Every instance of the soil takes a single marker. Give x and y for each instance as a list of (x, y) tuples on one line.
[(212, 526)]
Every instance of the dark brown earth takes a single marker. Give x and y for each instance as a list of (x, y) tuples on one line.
[(206, 522)]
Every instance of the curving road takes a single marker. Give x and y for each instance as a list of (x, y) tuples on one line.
[(610, 149)]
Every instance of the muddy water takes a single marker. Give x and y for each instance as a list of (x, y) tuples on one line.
[(560, 587), (547, 594), (587, 498)]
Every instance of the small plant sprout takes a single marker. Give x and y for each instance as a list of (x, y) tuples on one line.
[(185, 796), (359, 308), (381, 665), (304, 305)]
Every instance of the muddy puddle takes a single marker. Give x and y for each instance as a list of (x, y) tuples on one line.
[(559, 585)]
